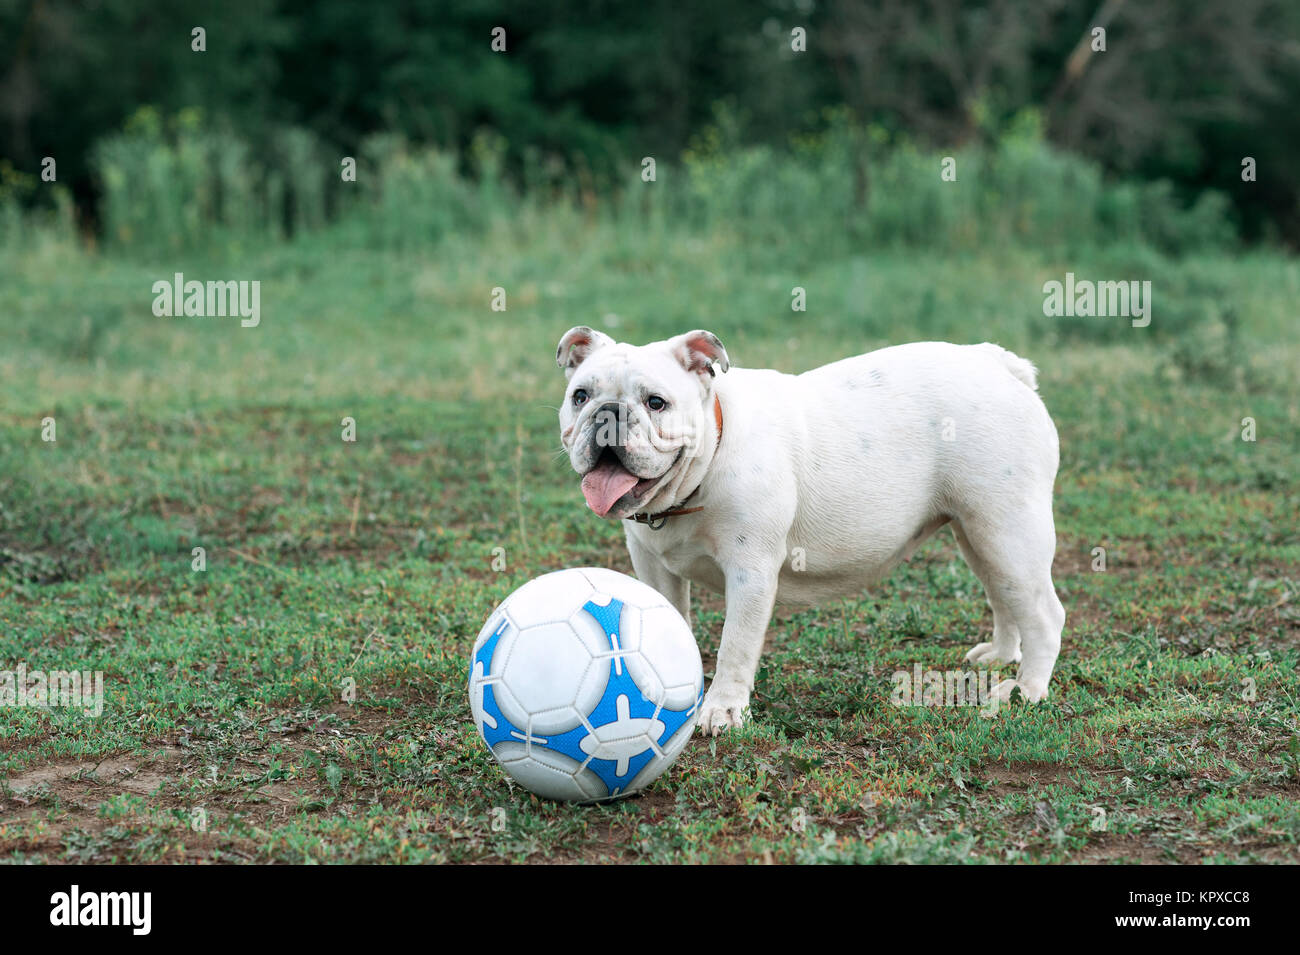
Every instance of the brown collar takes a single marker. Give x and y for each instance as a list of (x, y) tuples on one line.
[(656, 521)]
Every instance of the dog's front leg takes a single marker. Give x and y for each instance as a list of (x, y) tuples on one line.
[(651, 570), (751, 593)]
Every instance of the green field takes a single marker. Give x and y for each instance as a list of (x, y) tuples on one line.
[(1171, 733)]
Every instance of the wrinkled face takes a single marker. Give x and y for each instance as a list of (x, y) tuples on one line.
[(632, 421)]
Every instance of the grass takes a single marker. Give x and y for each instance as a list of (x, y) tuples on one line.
[(230, 733)]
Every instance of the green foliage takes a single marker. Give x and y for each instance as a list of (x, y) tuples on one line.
[(182, 183), (415, 196), (593, 86), (24, 221), (1018, 192)]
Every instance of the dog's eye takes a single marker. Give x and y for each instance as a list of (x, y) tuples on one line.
[(655, 403), (580, 397)]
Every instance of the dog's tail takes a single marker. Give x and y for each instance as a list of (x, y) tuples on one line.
[(1021, 368)]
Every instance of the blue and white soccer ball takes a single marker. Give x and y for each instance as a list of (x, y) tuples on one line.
[(585, 683)]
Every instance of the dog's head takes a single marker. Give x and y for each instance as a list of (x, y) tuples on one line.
[(635, 418)]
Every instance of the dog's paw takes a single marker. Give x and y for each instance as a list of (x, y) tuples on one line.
[(723, 709), (1034, 690), (1001, 692), (1030, 690), (992, 653)]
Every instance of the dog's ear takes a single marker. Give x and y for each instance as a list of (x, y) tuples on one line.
[(698, 351), (576, 345)]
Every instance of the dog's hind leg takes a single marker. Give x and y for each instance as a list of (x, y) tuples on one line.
[(1014, 557), (1005, 645)]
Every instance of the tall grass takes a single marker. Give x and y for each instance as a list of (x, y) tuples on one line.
[(853, 189), (182, 183), (179, 183), (29, 217)]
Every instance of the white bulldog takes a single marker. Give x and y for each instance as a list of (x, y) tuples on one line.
[(765, 486)]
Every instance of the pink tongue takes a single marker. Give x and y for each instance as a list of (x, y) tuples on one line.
[(604, 484)]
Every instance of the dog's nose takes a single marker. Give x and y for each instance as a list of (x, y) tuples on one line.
[(611, 425)]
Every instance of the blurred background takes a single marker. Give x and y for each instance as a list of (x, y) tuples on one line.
[(142, 125)]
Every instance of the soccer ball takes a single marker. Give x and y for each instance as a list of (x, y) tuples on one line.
[(585, 683)]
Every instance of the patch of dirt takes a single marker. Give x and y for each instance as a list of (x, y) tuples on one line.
[(41, 806), (1021, 776), (1129, 847), (1125, 557), (141, 775)]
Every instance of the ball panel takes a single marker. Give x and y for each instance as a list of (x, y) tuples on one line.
[(611, 649), (625, 588), (593, 635), (546, 669), (668, 661), (670, 750), (592, 785), (649, 773), (549, 598), (677, 742), (591, 687), (509, 706), (476, 694), (493, 621), (498, 617), (551, 775)]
